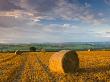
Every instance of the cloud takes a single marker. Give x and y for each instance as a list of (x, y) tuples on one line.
[(107, 32), (6, 21), (35, 32), (38, 5), (21, 12), (43, 33), (63, 9), (75, 11), (19, 21), (17, 18), (6, 5), (28, 34), (107, 2)]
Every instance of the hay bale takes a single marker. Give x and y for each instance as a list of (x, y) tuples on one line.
[(65, 61), (43, 51), (89, 50), (17, 52)]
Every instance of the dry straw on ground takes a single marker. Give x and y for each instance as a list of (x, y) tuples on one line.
[(65, 61), (17, 52)]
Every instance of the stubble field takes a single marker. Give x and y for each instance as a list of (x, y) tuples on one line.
[(33, 67)]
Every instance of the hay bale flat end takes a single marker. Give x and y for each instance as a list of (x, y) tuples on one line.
[(64, 61)]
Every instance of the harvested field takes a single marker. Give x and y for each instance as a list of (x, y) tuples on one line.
[(34, 67)]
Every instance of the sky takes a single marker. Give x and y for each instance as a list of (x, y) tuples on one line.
[(40, 21)]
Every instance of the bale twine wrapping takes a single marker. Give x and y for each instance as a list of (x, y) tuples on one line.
[(17, 52), (65, 61)]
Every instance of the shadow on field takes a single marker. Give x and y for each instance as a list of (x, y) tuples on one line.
[(94, 70)]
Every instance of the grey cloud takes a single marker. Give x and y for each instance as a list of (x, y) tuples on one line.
[(107, 2), (10, 21), (20, 35), (38, 5), (107, 32), (43, 5), (6, 5), (46, 9), (64, 9), (39, 33), (77, 11)]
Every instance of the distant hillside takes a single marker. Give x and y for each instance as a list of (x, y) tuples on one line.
[(57, 46)]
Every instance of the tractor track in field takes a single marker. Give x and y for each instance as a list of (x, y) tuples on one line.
[(32, 75), (16, 75), (29, 71), (47, 71)]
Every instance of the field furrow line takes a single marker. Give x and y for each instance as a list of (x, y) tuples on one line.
[(28, 74), (47, 71), (16, 75)]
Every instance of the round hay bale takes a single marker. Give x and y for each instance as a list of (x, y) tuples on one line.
[(43, 51), (65, 61), (17, 52), (89, 50)]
